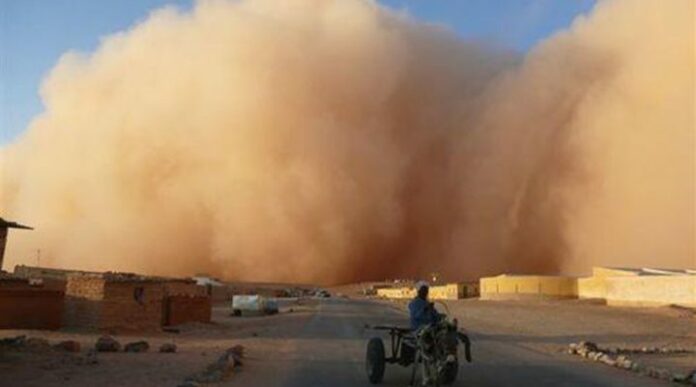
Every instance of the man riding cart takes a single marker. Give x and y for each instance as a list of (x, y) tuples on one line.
[(431, 341)]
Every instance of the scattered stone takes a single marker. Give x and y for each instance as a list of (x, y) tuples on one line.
[(68, 346), (612, 358), (107, 344), (589, 345), (220, 369), (189, 383), (168, 348), (137, 346)]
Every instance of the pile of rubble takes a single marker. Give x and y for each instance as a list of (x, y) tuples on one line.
[(218, 370), (24, 343), (109, 344), (103, 344), (617, 357)]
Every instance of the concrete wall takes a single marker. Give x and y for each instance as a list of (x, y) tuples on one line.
[(30, 308), (527, 286), (185, 309), (616, 285), (592, 287), (645, 290)]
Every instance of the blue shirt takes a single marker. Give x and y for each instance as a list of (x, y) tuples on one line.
[(421, 313)]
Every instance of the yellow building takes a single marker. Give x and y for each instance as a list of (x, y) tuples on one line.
[(527, 286), (452, 291), (640, 287), (618, 286)]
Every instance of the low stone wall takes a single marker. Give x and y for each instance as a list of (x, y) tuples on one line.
[(30, 309), (452, 291), (527, 286), (396, 292), (185, 309)]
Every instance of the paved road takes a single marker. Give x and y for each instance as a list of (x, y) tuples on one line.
[(327, 348)]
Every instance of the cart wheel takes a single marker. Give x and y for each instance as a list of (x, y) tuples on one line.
[(449, 374), (374, 360)]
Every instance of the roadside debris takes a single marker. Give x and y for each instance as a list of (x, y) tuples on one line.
[(617, 357), (107, 344), (218, 370)]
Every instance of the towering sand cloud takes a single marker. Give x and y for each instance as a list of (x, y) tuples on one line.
[(332, 141)]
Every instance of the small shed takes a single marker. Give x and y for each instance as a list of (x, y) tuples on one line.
[(114, 302)]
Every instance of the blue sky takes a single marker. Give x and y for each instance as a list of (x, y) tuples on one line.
[(34, 33)]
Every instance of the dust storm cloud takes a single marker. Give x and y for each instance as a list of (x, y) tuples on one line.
[(334, 141)]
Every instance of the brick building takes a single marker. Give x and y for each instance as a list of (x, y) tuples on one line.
[(113, 302), (128, 302)]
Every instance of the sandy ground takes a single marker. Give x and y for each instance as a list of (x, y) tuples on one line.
[(322, 343), (198, 345), (550, 325)]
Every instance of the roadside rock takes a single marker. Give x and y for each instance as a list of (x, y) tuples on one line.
[(236, 354), (107, 344), (220, 369), (168, 348), (137, 346), (68, 346)]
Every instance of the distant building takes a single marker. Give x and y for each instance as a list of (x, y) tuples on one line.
[(616, 285), (129, 302), (508, 286), (450, 291), (640, 286)]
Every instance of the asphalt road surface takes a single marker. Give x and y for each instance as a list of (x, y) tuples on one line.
[(327, 348)]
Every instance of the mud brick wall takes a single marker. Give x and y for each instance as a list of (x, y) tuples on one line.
[(30, 309), (180, 288), (82, 302), (121, 311), (184, 309)]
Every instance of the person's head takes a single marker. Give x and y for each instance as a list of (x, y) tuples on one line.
[(422, 290)]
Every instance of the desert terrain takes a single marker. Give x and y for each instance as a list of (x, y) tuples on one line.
[(321, 342)]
